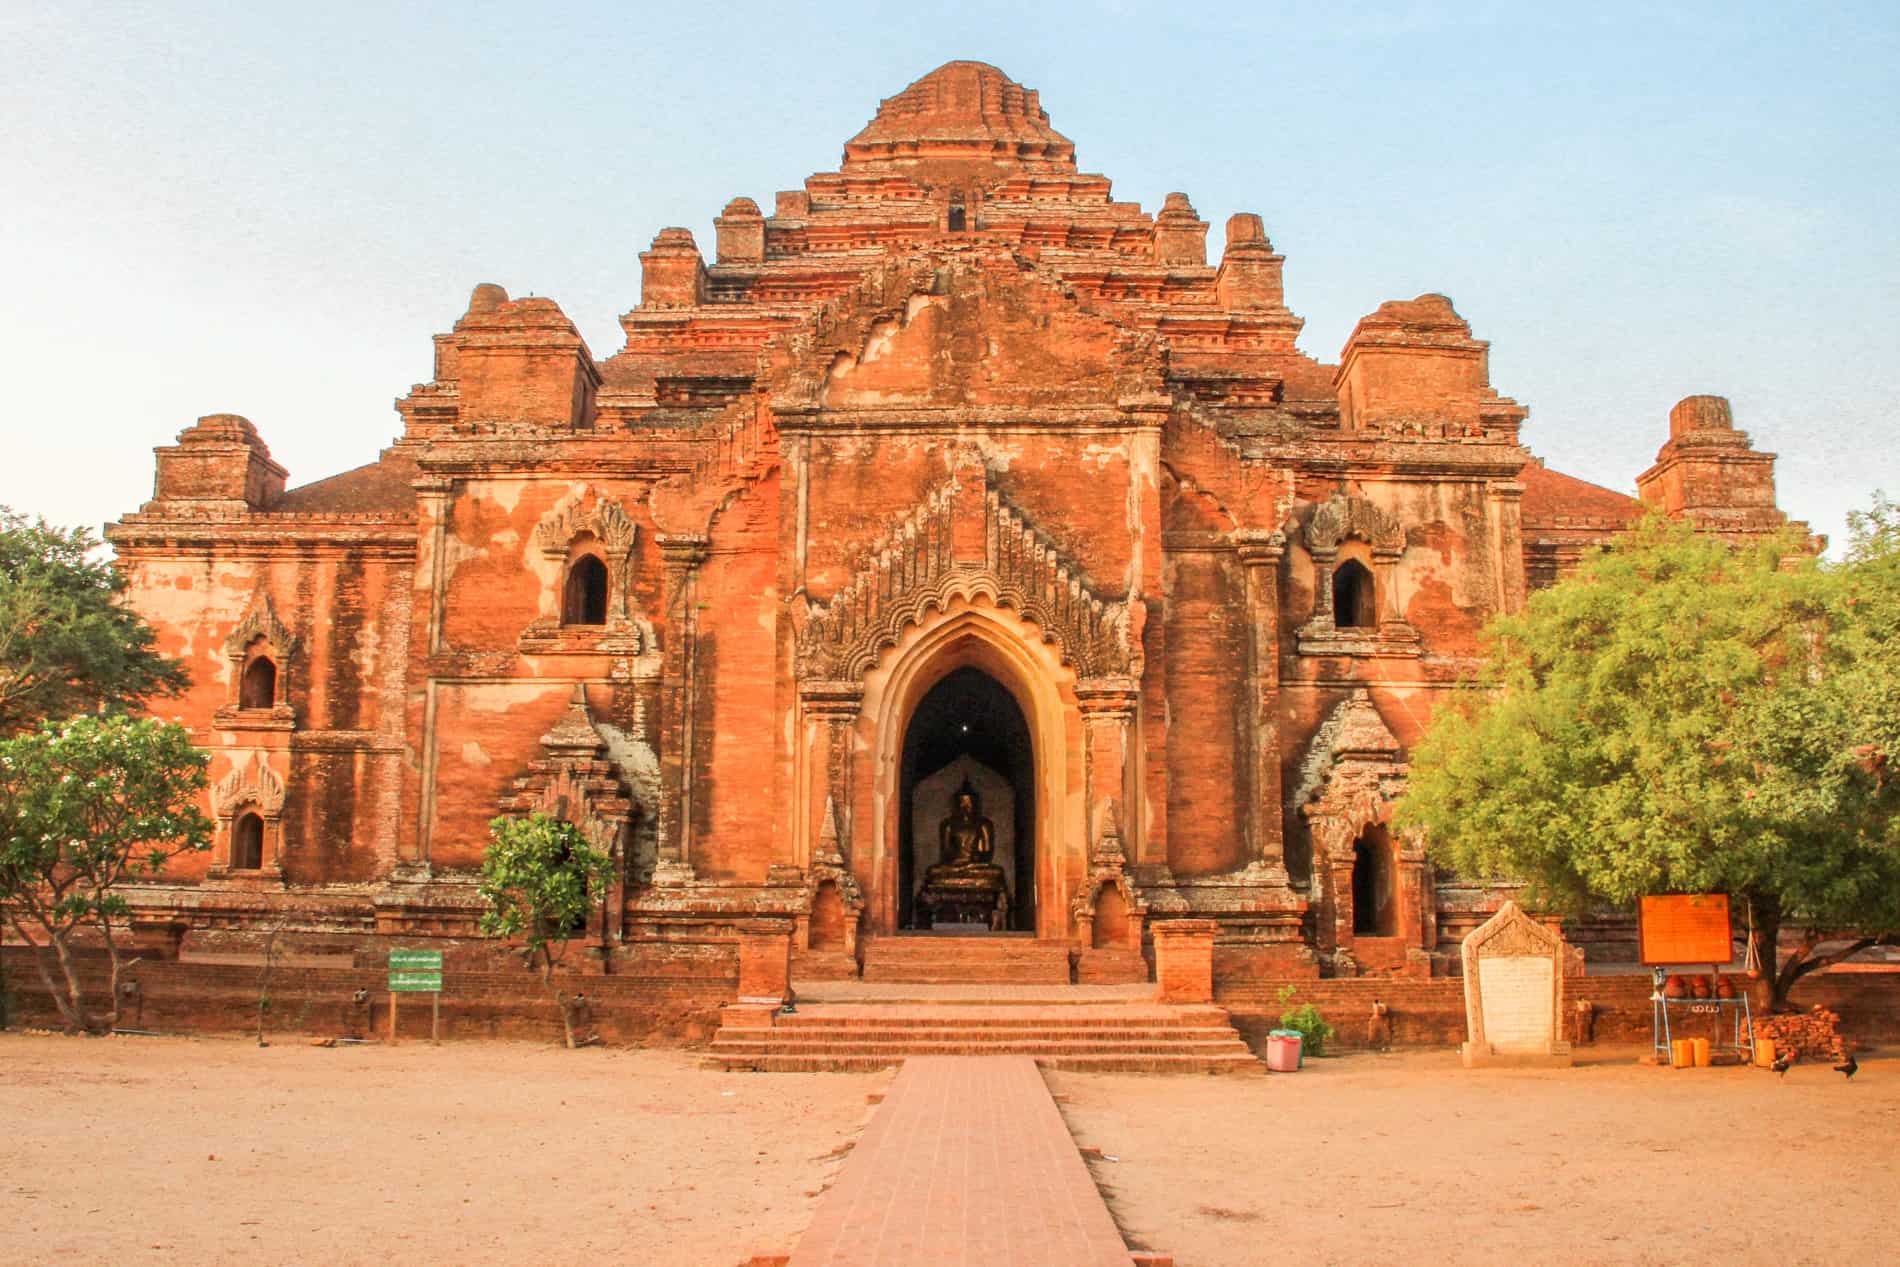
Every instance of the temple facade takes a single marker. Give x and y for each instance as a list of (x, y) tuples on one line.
[(950, 523)]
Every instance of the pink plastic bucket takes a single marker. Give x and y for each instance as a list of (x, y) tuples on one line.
[(1283, 1051)]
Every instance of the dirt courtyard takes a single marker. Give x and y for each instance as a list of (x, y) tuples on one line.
[(1411, 1159), (213, 1151)]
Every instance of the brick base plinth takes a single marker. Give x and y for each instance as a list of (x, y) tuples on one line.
[(1184, 960)]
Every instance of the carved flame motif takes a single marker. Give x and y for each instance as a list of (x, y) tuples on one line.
[(913, 568), (606, 519), (1341, 517), (260, 621), (253, 783)]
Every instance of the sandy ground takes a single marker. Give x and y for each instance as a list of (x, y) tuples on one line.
[(1412, 1159), (171, 1150), (138, 1150)]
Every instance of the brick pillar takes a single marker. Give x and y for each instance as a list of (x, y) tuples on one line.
[(680, 559), (1260, 553), (831, 712), (1507, 525), (1184, 960), (1108, 709)]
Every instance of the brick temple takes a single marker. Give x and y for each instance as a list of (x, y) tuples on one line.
[(947, 523)]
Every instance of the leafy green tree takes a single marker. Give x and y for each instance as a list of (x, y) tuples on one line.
[(86, 805), (541, 877), (67, 644), (1683, 716)]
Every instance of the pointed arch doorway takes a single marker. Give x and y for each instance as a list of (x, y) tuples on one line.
[(983, 666), (967, 736)]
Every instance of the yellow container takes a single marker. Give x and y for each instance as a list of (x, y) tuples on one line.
[(1701, 1052), (1681, 1052), (1764, 1053)]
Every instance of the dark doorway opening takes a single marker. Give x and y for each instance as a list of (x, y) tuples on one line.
[(968, 726), (585, 600), (258, 687), (247, 843), (1374, 895), (1353, 597)]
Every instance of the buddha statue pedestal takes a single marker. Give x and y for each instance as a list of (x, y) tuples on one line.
[(965, 887), (963, 893)]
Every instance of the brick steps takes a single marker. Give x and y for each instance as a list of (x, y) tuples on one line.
[(952, 959), (1136, 1036), (835, 1018), (1099, 1063)]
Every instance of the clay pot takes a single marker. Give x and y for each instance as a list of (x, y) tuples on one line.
[(1675, 988), (1724, 986), (1698, 987)]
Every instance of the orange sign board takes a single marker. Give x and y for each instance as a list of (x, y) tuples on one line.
[(1685, 928)]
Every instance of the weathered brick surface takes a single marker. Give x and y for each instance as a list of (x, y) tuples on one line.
[(950, 406)]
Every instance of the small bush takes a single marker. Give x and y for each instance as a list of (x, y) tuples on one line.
[(1314, 1031)]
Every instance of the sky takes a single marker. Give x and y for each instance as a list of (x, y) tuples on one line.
[(267, 209)]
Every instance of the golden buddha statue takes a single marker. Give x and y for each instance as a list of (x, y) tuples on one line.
[(966, 886)]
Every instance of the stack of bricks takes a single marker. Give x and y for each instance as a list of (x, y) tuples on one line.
[(1813, 1034)]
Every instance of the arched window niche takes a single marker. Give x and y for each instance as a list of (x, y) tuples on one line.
[(587, 603), (257, 688), (261, 653), (1355, 596), (1355, 547), (249, 803), (247, 842), (584, 593), (1375, 896)]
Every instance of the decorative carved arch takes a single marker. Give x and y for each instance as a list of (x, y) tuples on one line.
[(260, 623), (1341, 517), (965, 542), (253, 783), (1352, 776), (250, 786), (585, 511), (1329, 525), (577, 779), (828, 866)]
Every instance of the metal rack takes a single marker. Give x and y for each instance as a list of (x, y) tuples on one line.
[(1737, 1010)]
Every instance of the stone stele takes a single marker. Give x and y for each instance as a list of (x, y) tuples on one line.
[(1514, 992)]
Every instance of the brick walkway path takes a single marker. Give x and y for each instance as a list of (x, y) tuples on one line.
[(967, 1161)]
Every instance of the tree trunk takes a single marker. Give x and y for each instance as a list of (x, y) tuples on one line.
[(110, 1021), (1765, 917), (72, 1005), (40, 954), (560, 1001)]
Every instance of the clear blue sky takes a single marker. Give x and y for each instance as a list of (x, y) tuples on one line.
[(268, 209)]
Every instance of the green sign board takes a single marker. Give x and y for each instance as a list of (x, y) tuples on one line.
[(415, 971)]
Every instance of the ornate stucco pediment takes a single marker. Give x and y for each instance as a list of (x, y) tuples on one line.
[(1352, 773), (260, 621), (577, 779), (964, 542), (252, 783), (586, 512), (1342, 517)]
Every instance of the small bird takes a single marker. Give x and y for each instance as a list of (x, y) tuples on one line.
[(1851, 1068), (1782, 1063)]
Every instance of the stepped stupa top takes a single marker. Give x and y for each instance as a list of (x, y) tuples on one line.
[(962, 112)]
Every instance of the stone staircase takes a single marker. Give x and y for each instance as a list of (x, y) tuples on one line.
[(958, 958), (1103, 1029)]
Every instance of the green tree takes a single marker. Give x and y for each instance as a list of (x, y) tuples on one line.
[(541, 877), (67, 644), (86, 805), (1681, 716)]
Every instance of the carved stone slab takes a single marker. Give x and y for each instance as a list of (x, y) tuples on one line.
[(1514, 992)]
